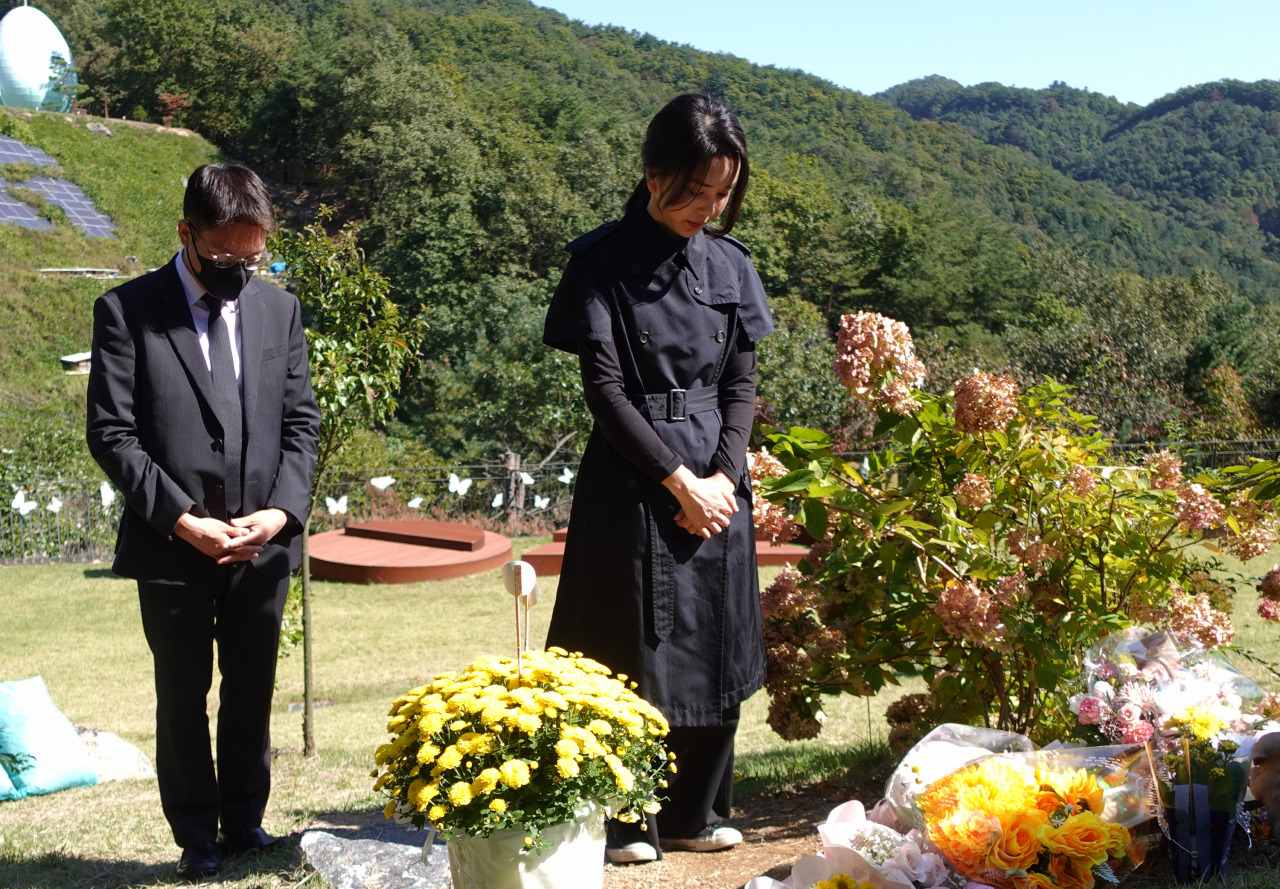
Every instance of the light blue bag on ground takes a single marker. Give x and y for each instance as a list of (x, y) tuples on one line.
[(32, 727), (7, 790)]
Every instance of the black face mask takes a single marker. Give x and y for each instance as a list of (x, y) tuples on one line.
[(225, 284)]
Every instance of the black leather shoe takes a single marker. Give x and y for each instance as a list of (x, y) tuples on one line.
[(245, 842), (198, 862)]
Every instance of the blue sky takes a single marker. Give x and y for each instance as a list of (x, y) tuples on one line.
[(1135, 51)]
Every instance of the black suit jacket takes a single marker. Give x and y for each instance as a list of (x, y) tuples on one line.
[(153, 428)]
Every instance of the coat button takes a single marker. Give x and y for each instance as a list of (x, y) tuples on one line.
[(719, 336), (215, 445), (631, 484), (644, 337), (698, 290), (635, 268)]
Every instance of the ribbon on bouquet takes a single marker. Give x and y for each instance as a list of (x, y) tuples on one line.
[(521, 582)]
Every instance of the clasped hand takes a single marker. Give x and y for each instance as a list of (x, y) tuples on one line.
[(239, 541), (706, 504)]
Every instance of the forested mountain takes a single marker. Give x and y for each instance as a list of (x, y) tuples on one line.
[(1205, 161), (474, 138)]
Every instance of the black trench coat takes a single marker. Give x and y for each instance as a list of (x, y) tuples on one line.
[(678, 614)]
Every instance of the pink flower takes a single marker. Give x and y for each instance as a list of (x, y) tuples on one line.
[(1012, 589), (1257, 528), (1081, 480), (1137, 733), (985, 402), (1165, 469), (1092, 711), (1129, 713), (876, 361), (1196, 507), (771, 520), (973, 491), (1269, 609), (1199, 619), (1108, 670)]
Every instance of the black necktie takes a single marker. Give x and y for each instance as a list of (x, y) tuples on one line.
[(228, 407)]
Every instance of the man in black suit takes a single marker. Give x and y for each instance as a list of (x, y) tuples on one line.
[(201, 413)]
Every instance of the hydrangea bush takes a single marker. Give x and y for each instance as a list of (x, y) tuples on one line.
[(985, 546), (501, 746)]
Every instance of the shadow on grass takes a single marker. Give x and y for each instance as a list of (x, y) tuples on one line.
[(862, 766), (99, 573), (64, 870)]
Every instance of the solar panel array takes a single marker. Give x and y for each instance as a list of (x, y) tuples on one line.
[(70, 197), (14, 212)]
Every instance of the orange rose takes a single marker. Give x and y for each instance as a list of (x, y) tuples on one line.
[(1085, 837), (1067, 873), (964, 838), (1018, 846), (1034, 881)]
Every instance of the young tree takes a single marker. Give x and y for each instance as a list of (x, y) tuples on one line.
[(360, 347)]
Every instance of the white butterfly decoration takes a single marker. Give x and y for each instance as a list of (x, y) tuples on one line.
[(55, 505), (458, 486), (108, 496), (541, 502), (382, 482), (415, 503), (22, 504), (526, 478), (336, 507), (566, 476), (497, 501)]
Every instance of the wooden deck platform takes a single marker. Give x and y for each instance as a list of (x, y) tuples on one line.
[(548, 558), (405, 552)]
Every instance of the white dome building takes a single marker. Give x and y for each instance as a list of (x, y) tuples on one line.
[(29, 41)]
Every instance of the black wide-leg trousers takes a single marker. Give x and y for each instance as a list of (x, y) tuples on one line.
[(700, 793), (241, 610)]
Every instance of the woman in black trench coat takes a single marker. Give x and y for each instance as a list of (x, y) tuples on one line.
[(659, 579)]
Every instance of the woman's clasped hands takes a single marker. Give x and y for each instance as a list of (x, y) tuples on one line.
[(706, 504)]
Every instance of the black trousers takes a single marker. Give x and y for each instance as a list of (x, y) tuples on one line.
[(241, 610), (700, 793)]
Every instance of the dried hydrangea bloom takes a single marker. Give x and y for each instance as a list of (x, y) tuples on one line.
[(1039, 554), (1270, 586), (1082, 480), (973, 491), (1165, 469), (1270, 706), (967, 612), (1197, 618), (1196, 508), (1269, 609), (985, 402), (876, 361), (1011, 590), (1257, 528), (771, 520), (790, 725), (1143, 611)]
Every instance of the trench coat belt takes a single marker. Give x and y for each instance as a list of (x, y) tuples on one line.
[(677, 404)]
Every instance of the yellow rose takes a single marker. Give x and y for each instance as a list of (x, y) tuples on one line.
[(1085, 837), (1033, 881), (1120, 841), (1067, 873), (1018, 845)]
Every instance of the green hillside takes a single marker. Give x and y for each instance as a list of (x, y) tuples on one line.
[(1205, 161), (474, 138)]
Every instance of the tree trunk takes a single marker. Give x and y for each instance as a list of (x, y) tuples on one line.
[(308, 713)]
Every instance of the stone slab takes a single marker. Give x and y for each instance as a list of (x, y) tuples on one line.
[(375, 856)]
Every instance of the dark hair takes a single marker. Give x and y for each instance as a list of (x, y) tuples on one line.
[(220, 194), (682, 140)]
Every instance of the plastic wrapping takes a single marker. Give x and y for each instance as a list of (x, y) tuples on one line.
[(574, 861)]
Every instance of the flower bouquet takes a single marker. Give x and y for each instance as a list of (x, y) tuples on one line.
[(514, 760), (1019, 822), (1202, 796)]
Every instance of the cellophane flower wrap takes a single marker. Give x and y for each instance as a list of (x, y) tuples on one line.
[(496, 748), (1039, 819)]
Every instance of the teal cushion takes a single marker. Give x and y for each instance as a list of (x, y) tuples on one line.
[(31, 726)]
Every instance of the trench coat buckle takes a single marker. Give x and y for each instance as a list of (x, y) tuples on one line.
[(676, 404)]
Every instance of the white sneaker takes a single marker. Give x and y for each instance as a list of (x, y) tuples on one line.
[(631, 853), (712, 839)]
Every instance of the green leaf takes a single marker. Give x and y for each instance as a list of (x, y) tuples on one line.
[(789, 483), (813, 517)]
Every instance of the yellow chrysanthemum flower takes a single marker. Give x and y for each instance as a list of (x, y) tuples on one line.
[(451, 758), (498, 805), (437, 812), (460, 793), (485, 782), (514, 774), (568, 768)]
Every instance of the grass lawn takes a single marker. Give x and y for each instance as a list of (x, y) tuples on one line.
[(78, 626)]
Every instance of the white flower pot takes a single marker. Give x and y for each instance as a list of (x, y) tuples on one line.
[(574, 861)]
